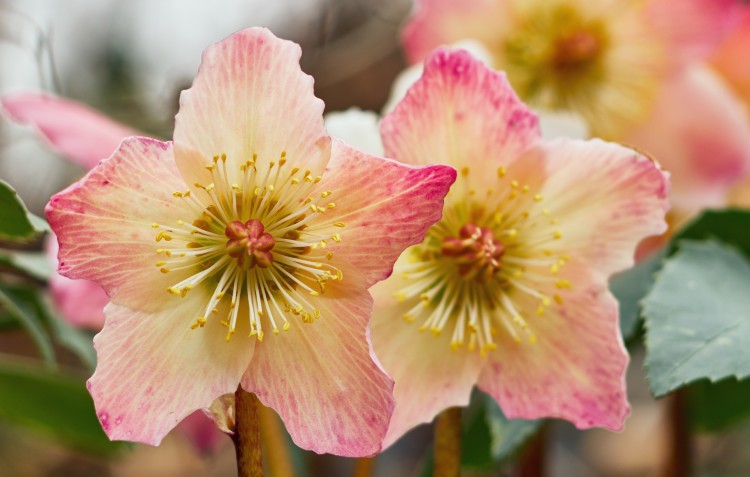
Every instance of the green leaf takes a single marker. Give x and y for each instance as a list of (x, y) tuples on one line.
[(20, 304), (715, 406), (55, 404), (16, 222), (698, 317), (630, 286), (490, 439), (36, 307), (33, 264), (507, 435), (731, 226)]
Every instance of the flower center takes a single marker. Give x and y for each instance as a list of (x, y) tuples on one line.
[(249, 243), (555, 56), (476, 251), (576, 50), (488, 269), (258, 240)]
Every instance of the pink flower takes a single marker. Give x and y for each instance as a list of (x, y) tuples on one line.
[(509, 289), (252, 223), (73, 130), (631, 69)]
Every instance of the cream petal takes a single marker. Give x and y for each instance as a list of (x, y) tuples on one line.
[(250, 97), (323, 379), (154, 370), (385, 206), (576, 368), (104, 223)]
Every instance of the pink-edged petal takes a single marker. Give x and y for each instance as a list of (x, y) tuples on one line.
[(730, 58), (691, 28), (575, 370), (80, 302), (429, 376), (459, 113), (153, 370), (323, 378), (72, 129), (699, 132), (385, 206), (441, 22), (104, 222), (201, 431), (602, 200), (250, 97)]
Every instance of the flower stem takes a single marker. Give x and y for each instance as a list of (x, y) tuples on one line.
[(364, 466), (448, 443), (247, 434), (533, 458), (275, 444), (681, 445)]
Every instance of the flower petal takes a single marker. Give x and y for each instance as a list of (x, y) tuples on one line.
[(459, 113), (692, 28), (385, 206), (201, 431), (72, 129), (429, 377), (700, 133), (442, 22), (729, 59), (250, 97), (603, 198), (411, 75), (153, 370), (80, 302), (323, 378), (104, 222), (576, 369)]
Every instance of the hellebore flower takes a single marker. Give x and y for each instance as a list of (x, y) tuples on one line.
[(85, 136), (628, 68), (252, 223), (510, 287)]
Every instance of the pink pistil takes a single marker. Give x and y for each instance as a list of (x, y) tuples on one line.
[(249, 244), (475, 250)]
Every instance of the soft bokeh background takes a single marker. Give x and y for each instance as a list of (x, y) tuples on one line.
[(130, 59)]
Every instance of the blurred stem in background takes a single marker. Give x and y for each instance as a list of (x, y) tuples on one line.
[(533, 459), (364, 466), (680, 435), (274, 442), (247, 434), (448, 443)]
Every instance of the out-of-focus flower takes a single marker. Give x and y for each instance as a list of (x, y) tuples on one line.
[(627, 67), (252, 223), (730, 57), (510, 287), (73, 130)]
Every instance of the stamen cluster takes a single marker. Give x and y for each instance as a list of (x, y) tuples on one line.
[(258, 243)]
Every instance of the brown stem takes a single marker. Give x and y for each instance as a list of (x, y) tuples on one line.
[(448, 443), (681, 444), (275, 446), (247, 434), (533, 459), (364, 466)]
